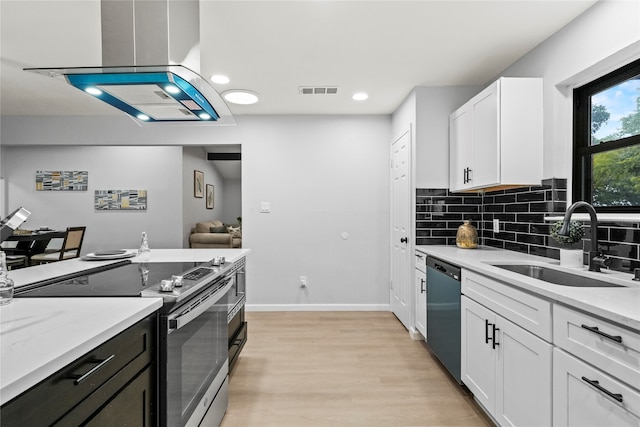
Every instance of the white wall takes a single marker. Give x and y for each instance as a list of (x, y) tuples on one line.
[(324, 175), (155, 169), (232, 196), (601, 40), (195, 209)]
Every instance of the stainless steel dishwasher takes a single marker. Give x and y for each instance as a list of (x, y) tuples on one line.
[(443, 313)]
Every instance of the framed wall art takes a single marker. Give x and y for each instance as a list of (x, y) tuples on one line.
[(62, 180), (120, 200), (209, 196), (198, 184)]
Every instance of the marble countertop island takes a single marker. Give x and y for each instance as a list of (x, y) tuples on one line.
[(39, 336)]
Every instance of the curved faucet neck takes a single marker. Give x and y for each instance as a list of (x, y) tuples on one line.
[(593, 223)]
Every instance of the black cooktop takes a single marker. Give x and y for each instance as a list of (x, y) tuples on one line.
[(123, 280)]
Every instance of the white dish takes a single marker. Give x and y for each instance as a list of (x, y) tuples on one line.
[(107, 255)]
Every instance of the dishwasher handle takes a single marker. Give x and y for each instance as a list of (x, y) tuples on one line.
[(444, 267)]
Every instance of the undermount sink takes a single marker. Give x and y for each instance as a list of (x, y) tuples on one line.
[(557, 277)]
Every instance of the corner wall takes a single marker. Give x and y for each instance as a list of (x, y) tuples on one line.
[(575, 55), (194, 208)]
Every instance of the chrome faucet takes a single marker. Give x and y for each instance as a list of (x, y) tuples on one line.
[(596, 259)]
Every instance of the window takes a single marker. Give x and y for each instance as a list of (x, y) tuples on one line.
[(606, 138)]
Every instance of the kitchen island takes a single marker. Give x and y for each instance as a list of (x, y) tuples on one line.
[(40, 336)]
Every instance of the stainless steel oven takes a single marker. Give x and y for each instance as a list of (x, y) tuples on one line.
[(193, 358)]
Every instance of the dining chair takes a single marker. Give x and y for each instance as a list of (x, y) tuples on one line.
[(71, 246), (17, 261)]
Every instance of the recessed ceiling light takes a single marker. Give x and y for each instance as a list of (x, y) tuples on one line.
[(241, 96), (143, 117), (359, 96), (204, 116), (220, 79), (93, 91)]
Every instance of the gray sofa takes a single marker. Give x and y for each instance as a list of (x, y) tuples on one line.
[(215, 234)]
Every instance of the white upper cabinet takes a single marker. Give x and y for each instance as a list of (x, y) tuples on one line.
[(496, 137)]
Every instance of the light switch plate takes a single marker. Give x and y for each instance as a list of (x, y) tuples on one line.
[(265, 207)]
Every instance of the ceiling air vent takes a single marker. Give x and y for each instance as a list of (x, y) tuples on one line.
[(318, 90)]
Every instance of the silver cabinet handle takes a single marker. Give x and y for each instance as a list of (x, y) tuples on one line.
[(80, 378)]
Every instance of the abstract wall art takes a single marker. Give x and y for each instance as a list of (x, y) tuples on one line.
[(120, 200), (62, 180)]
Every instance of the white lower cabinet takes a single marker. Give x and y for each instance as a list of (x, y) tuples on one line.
[(585, 396), (596, 371), (420, 292), (506, 368), (421, 302)]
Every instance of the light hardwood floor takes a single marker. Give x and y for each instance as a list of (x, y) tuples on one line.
[(302, 369)]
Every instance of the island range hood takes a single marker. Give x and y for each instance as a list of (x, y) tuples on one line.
[(137, 35)]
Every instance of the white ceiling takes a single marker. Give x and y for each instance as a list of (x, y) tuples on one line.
[(385, 48)]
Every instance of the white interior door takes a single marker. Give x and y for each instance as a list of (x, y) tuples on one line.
[(401, 283)]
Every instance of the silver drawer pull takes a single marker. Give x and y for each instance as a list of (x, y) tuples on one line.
[(80, 378), (596, 384), (594, 329)]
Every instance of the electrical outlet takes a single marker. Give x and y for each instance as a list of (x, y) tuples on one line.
[(303, 281), (496, 225)]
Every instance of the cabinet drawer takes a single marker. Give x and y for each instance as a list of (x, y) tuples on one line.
[(614, 349), (523, 309), (421, 261), (108, 366), (583, 396)]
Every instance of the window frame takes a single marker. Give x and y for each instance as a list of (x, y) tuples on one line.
[(582, 148)]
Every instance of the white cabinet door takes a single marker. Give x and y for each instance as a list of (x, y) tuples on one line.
[(507, 369), (496, 137), (581, 398), (523, 377), (421, 302), (485, 147), (460, 148), (478, 358)]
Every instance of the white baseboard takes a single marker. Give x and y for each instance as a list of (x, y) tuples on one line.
[(317, 307), (415, 335)]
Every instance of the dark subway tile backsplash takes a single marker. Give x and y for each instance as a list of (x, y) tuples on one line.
[(523, 228)]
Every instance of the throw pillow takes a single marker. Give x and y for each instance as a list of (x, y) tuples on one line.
[(219, 229), (235, 231)]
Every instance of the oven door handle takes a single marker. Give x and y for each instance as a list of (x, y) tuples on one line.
[(179, 320)]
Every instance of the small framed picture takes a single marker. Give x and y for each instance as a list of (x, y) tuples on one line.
[(209, 196), (198, 184)]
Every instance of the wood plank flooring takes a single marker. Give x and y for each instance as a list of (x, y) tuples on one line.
[(341, 369)]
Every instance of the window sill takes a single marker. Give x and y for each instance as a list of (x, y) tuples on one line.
[(602, 217)]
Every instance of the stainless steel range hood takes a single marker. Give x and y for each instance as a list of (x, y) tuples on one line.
[(137, 35)]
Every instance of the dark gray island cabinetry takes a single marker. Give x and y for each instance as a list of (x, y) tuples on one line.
[(113, 384)]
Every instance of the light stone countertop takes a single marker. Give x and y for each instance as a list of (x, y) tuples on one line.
[(36, 273), (617, 304), (39, 336)]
